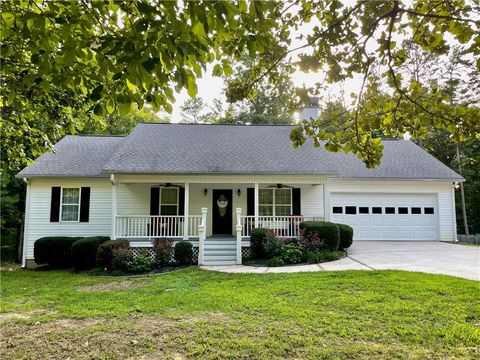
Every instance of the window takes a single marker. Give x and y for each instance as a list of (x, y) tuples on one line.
[(403, 210), (376, 210), (351, 210), (363, 210), (389, 210), (70, 204), (416, 210), (428, 210), (338, 210), (275, 202), (168, 201)]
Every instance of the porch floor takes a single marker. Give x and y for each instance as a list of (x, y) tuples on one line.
[(220, 250)]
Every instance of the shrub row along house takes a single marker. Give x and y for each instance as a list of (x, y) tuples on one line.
[(212, 184)]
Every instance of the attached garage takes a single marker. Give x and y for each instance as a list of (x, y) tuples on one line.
[(387, 216)]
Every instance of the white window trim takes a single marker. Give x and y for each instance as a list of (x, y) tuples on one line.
[(160, 199), (61, 203), (274, 204)]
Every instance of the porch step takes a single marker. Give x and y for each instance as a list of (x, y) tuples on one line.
[(220, 251)]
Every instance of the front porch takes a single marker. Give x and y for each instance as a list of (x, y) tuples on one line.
[(215, 214)]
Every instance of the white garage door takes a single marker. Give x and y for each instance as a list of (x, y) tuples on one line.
[(387, 216)]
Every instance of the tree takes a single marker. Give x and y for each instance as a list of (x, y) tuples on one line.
[(111, 54), (193, 110), (267, 102)]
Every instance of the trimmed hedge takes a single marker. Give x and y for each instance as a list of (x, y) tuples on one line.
[(183, 252), (84, 252), (105, 252), (54, 250), (327, 235), (346, 236), (258, 240)]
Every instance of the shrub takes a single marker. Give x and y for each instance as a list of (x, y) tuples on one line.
[(84, 252), (163, 249), (273, 247), (105, 252), (142, 262), (346, 236), (323, 256), (275, 261), (291, 254), (183, 252), (54, 250), (319, 235), (124, 260), (258, 240)]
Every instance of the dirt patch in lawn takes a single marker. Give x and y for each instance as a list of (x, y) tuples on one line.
[(133, 337), (24, 315), (111, 286)]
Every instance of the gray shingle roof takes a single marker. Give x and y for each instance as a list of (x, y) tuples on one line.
[(223, 149), (74, 156)]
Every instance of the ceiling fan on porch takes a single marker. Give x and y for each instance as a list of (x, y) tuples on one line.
[(280, 186), (167, 185)]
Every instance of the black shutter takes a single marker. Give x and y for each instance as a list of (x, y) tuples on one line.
[(85, 204), (154, 201), (296, 205), (250, 201), (55, 204), (181, 201)]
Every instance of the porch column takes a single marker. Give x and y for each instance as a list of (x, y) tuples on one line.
[(255, 197), (114, 207), (326, 201), (186, 211)]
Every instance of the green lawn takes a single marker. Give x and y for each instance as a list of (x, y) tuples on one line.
[(194, 313)]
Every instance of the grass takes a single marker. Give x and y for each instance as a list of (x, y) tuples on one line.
[(194, 313)]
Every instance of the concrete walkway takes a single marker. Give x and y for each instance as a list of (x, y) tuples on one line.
[(429, 257)]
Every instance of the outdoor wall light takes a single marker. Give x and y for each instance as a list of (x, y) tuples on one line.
[(205, 192), (239, 192)]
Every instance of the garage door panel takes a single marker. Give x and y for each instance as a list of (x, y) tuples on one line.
[(385, 226)]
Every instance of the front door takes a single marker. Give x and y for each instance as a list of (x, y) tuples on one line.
[(222, 212)]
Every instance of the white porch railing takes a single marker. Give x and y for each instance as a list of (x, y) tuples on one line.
[(283, 226), (155, 226)]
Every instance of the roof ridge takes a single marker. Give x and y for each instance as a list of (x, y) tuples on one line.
[(203, 124)]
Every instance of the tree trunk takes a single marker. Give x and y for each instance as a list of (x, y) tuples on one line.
[(462, 193)]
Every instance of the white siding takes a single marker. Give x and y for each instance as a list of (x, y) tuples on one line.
[(133, 199), (39, 224), (311, 200), (442, 190)]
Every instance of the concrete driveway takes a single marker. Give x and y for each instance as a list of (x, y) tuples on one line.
[(424, 256)]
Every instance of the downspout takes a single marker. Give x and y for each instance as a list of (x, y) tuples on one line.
[(26, 223)]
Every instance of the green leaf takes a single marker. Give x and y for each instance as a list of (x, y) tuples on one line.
[(198, 29), (8, 20), (124, 107), (227, 69), (217, 70), (131, 87), (110, 106), (191, 86)]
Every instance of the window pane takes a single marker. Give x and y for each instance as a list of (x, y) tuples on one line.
[(265, 210), (428, 210), (69, 212), (389, 210), (283, 196), (403, 210), (351, 210), (70, 196), (265, 196), (169, 196), (416, 210), (363, 210), (376, 210), (282, 210), (168, 210), (337, 209)]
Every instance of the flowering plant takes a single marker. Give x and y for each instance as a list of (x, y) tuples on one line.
[(163, 249)]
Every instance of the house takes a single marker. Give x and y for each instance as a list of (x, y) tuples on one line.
[(211, 184)]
